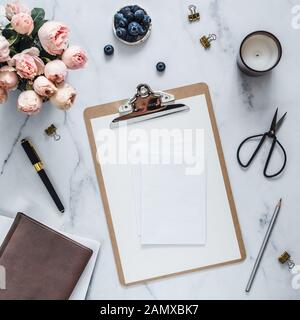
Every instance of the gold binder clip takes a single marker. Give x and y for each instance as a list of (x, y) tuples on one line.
[(194, 15), (286, 258), (206, 40), (52, 132)]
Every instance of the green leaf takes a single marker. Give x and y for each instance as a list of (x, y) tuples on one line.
[(22, 84), (13, 51), (38, 14), (46, 60), (25, 42), (7, 33), (46, 57), (11, 35), (28, 86), (8, 27)]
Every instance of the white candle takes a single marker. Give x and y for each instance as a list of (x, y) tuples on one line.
[(260, 52)]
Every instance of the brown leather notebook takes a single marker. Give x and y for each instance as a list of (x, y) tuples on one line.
[(40, 263)]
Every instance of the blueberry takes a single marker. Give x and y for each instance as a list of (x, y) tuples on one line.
[(160, 67), (133, 28), (121, 23), (135, 8), (130, 38), (146, 20), (109, 50), (139, 15), (121, 33), (118, 16), (129, 16), (125, 10), (142, 30)]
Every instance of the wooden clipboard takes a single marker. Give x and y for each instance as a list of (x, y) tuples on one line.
[(180, 93)]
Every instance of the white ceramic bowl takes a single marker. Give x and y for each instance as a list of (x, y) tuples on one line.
[(141, 40)]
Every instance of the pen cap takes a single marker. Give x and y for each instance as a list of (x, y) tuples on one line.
[(31, 153)]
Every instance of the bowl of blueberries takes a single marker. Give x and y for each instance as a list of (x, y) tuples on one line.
[(132, 25)]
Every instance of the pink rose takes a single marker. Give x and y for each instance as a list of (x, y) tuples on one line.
[(64, 97), (54, 37), (15, 8), (3, 95), (56, 71), (4, 49), (74, 57), (27, 63), (29, 102), (8, 78), (22, 23), (44, 87)]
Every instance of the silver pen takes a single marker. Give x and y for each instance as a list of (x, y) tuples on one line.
[(264, 245)]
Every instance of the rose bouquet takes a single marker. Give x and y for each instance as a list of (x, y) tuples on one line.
[(35, 58)]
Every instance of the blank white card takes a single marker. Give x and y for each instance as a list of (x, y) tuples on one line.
[(173, 198), (185, 223)]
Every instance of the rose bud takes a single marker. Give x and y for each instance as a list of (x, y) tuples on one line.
[(54, 37), (8, 78), (28, 66), (56, 71), (14, 8), (22, 23), (64, 97), (3, 95), (33, 51), (74, 57), (29, 102), (44, 87), (4, 49)]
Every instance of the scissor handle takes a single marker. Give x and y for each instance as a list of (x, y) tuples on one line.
[(275, 141), (264, 135)]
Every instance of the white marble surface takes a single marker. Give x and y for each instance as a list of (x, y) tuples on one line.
[(243, 106)]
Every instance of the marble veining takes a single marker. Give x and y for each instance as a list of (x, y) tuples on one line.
[(224, 34), (243, 106), (16, 140)]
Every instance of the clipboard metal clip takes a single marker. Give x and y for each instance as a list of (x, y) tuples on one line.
[(147, 104)]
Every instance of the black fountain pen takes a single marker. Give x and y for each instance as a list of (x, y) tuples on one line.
[(38, 166)]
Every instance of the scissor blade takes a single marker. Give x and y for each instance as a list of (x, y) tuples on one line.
[(279, 123), (273, 125)]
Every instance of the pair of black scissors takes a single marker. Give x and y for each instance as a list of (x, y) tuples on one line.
[(269, 134)]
